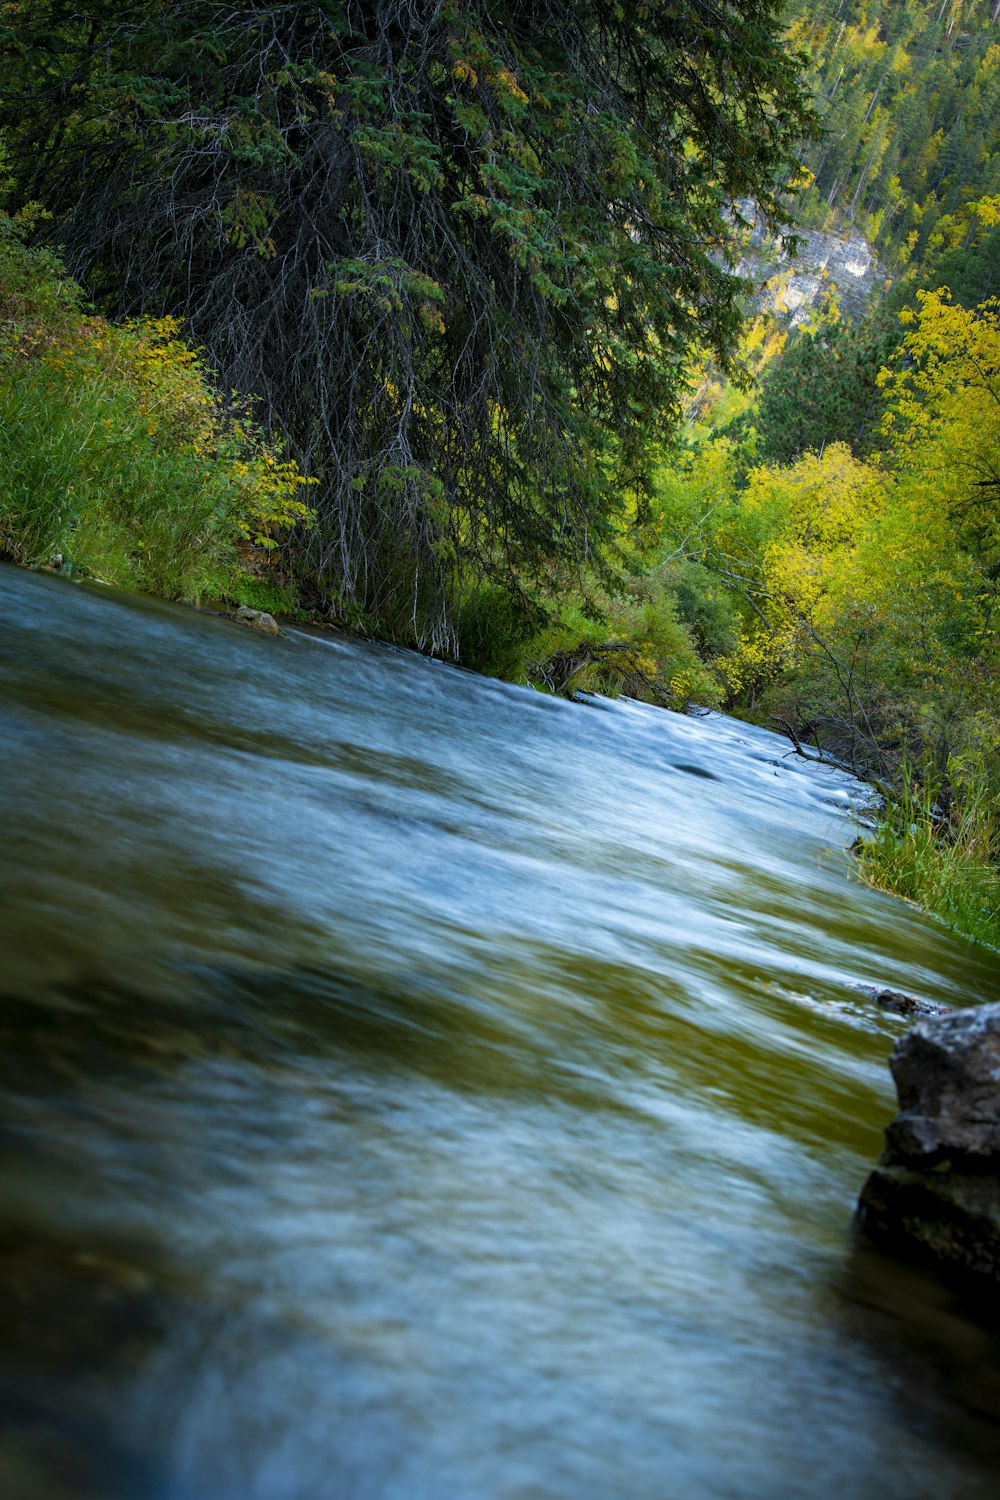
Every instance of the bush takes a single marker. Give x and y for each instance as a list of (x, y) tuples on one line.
[(628, 643), (495, 630), (121, 460), (706, 608)]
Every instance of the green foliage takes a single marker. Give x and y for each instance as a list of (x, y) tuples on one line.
[(496, 629), (270, 594), (970, 271), (629, 643), (862, 594), (908, 92), (463, 252), (120, 459), (823, 388), (949, 867), (706, 608)]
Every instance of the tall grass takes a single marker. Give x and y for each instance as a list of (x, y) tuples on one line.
[(948, 865), (85, 483)]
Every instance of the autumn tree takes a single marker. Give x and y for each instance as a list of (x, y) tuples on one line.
[(944, 417), (461, 251), (868, 592)]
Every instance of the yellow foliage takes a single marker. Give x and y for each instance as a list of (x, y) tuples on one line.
[(168, 389), (803, 524), (943, 407), (272, 504), (988, 209), (509, 84), (463, 72)]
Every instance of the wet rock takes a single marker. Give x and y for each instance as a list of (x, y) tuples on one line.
[(257, 619), (690, 770), (947, 1074), (906, 1005), (936, 1191), (946, 1219)]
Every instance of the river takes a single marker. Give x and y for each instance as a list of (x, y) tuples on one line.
[(413, 1087)]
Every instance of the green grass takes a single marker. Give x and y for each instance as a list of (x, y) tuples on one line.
[(947, 866), (239, 587), (82, 480)]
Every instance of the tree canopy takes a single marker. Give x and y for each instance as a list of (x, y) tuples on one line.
[(461, 252), (823, 388), (908, 92)]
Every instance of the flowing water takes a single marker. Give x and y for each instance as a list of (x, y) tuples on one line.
[(417, 1088)]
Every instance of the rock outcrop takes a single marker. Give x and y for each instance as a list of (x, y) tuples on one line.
[(844, 265), (936, 1190)]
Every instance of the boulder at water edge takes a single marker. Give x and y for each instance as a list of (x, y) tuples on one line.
[(257, 619), (936, 1190)]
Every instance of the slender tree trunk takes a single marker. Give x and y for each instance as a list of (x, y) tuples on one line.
[(878, 88)]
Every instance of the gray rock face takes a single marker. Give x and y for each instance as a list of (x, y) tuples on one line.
[(842, 264), (947, 1074), (936, 1190)]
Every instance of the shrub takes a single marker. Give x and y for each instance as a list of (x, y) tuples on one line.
[(121, 460), (630, 643)]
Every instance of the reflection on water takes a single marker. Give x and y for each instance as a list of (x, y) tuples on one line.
[(416, 1087)]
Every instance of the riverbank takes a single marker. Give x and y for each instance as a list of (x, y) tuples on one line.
[(900, 849), (123, 461)]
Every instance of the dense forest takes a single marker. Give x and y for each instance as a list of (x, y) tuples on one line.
[(909, 94), (423, 321)]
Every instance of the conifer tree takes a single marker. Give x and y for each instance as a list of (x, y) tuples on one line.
[(461, 251)]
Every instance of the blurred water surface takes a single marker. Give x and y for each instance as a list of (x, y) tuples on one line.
[(413, 1086)]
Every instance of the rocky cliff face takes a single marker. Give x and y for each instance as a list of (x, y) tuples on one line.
[(936, 1190), (842, 265)]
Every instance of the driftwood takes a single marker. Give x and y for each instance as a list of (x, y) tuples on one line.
[(559, 671), (819, 755), (864, 771)]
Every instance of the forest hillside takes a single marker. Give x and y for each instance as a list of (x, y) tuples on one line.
[(909, 94)]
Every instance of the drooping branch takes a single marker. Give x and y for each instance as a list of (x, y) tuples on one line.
[(460, 253)]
